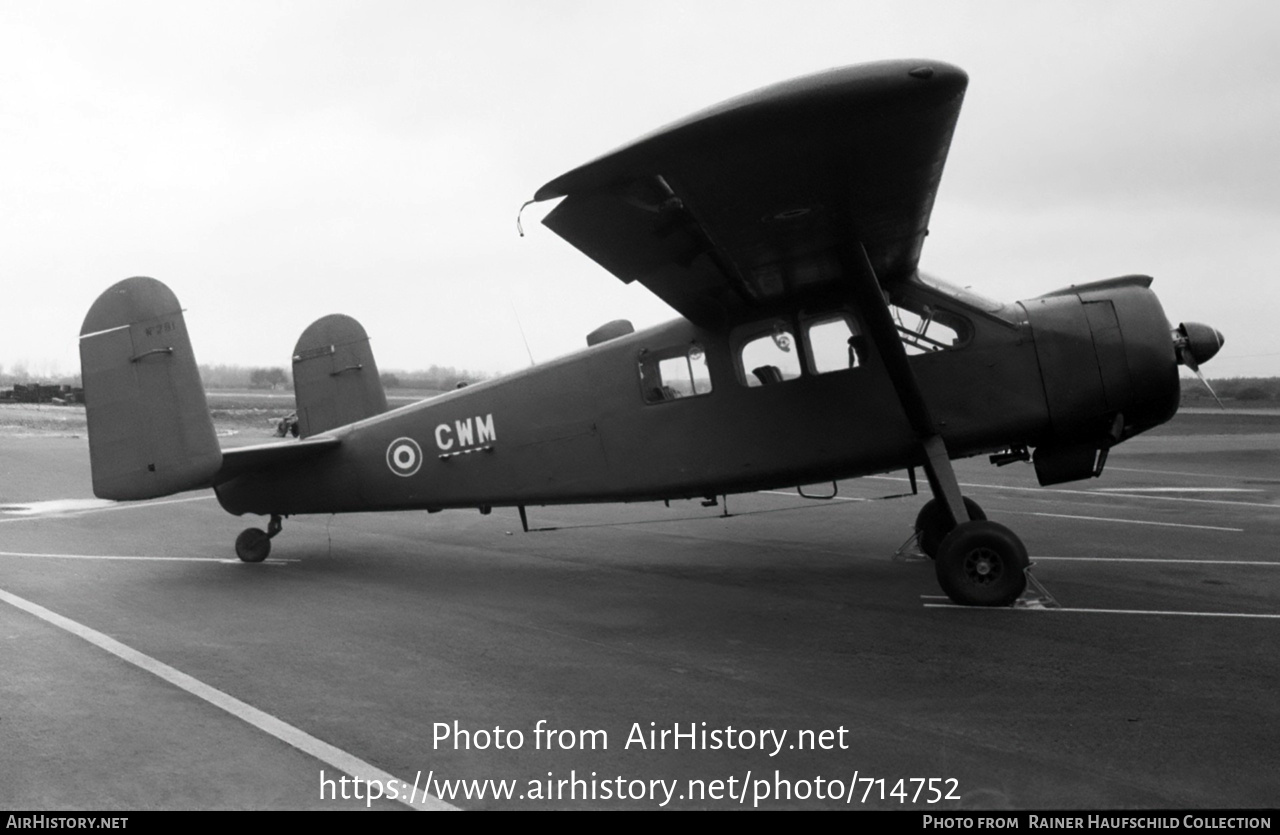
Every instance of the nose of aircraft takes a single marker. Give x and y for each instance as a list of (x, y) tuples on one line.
[(1196, 344)]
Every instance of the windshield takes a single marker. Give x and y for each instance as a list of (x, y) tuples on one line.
[(961, 294)]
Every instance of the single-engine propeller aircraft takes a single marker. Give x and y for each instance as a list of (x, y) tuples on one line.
[(784, 227)]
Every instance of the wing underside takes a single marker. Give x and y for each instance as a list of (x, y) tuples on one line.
[(755, 203)]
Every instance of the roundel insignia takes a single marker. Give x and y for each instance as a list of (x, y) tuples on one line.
[(404, 456)]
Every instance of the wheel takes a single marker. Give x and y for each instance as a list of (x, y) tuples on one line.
[(982, 564), (935, 522), (253, 545)]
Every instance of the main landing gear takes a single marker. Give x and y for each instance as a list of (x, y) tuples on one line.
[(254, 544), (978, 563), (982, 563)]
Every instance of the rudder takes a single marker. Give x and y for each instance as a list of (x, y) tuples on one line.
[(335, 379), (150, 433)]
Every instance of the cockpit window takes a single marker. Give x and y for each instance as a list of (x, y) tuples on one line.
[(925, 328), (771, 357), (674, 373)]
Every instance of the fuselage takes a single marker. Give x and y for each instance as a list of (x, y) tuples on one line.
[(676, 411)]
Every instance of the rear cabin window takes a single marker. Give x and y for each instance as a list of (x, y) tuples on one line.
[(674, 373)]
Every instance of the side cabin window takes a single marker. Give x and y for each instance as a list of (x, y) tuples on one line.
[(835, 340), (674, 373), (835, 344), (925, 328), (770, 357)]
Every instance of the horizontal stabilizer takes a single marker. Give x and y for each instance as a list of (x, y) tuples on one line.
[(150, 433), (335, 380), (246, 459)]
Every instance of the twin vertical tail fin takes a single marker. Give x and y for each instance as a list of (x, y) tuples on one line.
[(150, 433), (335, 380)]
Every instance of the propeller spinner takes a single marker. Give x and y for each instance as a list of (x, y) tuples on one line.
[(1196, 344)]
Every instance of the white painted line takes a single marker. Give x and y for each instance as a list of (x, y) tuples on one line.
[(55, 506), (115, 557), (282, 731), (1160, 560), (1125, 521), (1095, 495), (796, 495), (105, 330), (1113, 468), (24, 515), (1175, 490), (104, 557), (1106, 611)]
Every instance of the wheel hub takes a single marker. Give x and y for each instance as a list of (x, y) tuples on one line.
[(982, 565)]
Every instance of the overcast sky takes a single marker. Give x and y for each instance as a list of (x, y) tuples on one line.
[(273, 162)]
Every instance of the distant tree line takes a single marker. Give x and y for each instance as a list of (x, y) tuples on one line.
[(272, 378), (1261, 391), (20, 373), (243, 377), (435, 378)]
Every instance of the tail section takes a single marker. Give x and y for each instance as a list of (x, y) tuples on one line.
[(150, 433), (335, 380)]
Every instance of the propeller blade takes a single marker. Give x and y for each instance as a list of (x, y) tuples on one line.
[(1209, 387)]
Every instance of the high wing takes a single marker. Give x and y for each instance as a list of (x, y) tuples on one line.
[(751, 204)]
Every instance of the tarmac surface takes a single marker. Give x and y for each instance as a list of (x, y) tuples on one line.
[(146, 668)]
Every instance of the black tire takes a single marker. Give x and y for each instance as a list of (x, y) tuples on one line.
[(934, 523), (253, 545), (982, 564)]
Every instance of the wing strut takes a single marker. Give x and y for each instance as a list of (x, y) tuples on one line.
[(884, 334)]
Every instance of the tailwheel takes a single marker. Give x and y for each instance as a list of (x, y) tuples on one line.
[(934, 523), (982, 564), (253, 545)]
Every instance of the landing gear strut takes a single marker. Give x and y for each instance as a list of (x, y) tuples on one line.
[(979, 563), (254, 544)]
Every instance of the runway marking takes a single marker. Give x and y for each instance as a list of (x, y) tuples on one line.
[(1105, 611), (1051, 515), (1095, 494), (67, 507), (55, 506), (1176, 490), (1113, 468), (261, 720), (286, 733), (1125, 521), (796, 495), (1160, 560), (126, 557)]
